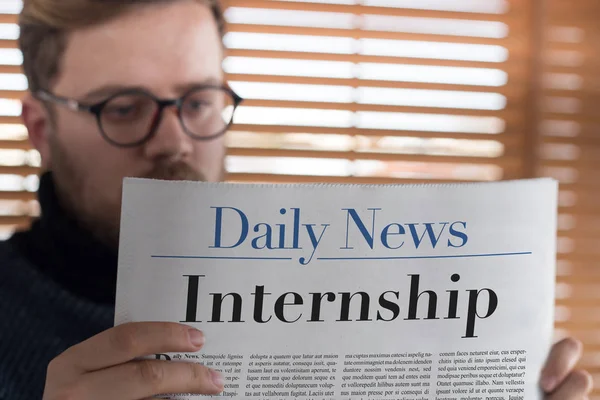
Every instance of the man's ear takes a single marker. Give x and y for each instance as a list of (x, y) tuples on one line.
[(37, 121)]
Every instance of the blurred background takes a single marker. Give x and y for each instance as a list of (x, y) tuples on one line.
[(394, 91)]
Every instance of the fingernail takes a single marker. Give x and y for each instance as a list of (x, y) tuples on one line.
[(217, 378), (196, 337), (548, 383)]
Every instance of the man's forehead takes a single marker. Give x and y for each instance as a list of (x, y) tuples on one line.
[(138, 49)]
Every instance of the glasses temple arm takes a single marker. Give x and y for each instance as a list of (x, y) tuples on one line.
[(69, 103)]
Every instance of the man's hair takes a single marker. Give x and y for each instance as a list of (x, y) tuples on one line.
[(46, 24)]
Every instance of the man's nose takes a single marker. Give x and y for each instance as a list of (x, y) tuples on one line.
[(170, 139)]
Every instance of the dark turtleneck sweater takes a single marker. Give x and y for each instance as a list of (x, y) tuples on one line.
[(57, 289)]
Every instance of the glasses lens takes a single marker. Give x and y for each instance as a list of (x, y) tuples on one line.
[(207, 112), (128, 118)]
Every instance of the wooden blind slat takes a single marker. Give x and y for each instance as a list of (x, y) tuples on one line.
[(19, 221), (513, 43), (588, 68), (513, 66), (11, 69), (18, 170), (354, 107), (505, 162), (579, 258), (580, 278), (580, 210), (577, 303), (509, 18), (581, 93), (578, 235), (15, 144), (514, 91), (575, 324), (10, 120), (507, 138), (9, 18), (580, 163), (22, 195), (11, 94), (588, 141), (8, 44), (571, 117)]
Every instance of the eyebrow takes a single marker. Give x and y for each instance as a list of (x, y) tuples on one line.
[(110, 89)]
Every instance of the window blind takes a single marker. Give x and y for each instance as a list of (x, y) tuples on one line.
[(18, 163), (382, 91), (569, 150)]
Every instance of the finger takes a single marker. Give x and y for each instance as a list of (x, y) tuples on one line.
[(147, 378), (562, 359), (129, 341), (576, 386)]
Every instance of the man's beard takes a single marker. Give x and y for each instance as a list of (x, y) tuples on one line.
[(103, 220)]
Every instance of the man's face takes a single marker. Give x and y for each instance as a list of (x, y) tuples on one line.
[(165, 49)]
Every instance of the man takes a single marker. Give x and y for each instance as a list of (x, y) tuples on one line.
[(102, 77)]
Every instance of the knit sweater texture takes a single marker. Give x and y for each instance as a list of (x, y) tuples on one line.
[(56, 290)]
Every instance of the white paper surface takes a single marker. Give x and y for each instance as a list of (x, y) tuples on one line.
[(296, 323)]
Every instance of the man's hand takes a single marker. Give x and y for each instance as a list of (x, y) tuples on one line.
[(560, 381), (104, 366)]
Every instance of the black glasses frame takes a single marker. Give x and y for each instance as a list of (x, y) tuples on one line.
[(97, 108)]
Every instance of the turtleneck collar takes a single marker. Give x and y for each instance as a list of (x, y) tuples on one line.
[(67, 253)]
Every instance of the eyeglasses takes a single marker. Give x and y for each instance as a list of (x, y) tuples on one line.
[(131, 117)]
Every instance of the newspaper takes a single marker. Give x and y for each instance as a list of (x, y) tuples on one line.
[(318, 292)]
